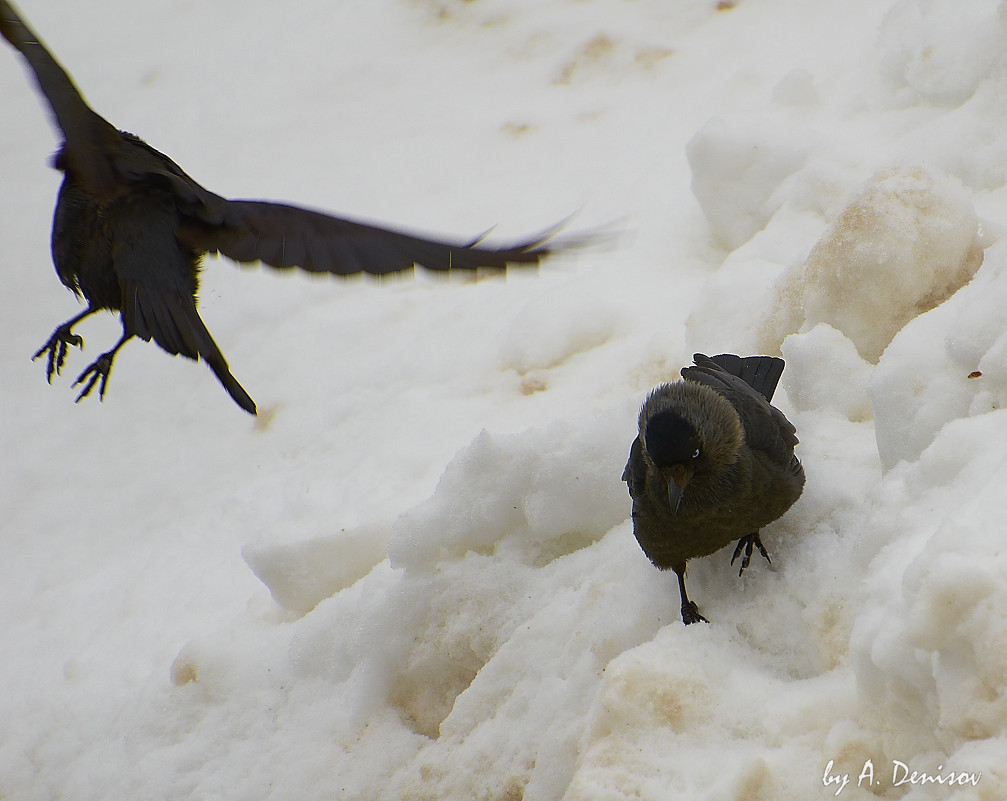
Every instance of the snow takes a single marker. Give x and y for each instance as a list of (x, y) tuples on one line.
[(413, 576)]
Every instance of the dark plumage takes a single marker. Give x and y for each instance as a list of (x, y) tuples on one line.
[(131, 227), (713, 463)]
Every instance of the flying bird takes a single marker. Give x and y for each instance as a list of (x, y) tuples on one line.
[(713, 463), (130, 230)]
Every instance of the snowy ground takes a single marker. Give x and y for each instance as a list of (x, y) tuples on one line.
[(414, 576)]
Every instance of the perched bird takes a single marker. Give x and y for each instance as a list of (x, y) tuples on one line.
[(714, 462), (131, 228)]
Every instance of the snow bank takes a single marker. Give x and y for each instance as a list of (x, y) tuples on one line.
[(904, 245), (907, 242), (943, 366), (737, 166), (928, 649)]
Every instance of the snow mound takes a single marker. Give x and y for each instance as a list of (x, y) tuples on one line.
[(300, 575), (907, 241), (737, 164), (565, 322), (825, 372), (928, 649), (905, 244), (940, 54), (944, 365), (539, 494)]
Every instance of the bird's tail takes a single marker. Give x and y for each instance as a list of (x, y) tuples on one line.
[(174, 324), (209, 352), (761, 373), (229, 382)]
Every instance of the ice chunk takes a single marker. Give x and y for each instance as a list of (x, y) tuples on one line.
[(905, 244), (824, 371), (301, 575), (544, 492), (943, 365)]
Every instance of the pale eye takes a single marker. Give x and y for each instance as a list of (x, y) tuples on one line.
[(695, 455)]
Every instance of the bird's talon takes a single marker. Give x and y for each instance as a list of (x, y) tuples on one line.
[(690, 614), (748, 543), (55, 348), (60, 355), (99, 369), (90, 385)]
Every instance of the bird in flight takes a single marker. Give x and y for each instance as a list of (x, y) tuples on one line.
[(131, 228)]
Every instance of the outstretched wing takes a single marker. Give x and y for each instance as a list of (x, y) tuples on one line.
[(766, 427), (98, 156), (287, 236), (157, 279), (89, 138), (101, 159)]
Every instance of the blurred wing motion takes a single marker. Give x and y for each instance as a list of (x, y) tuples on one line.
[(88, 135), (287, 236), (105, 161)]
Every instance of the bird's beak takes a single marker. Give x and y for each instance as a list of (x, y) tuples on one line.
[(680, 476)]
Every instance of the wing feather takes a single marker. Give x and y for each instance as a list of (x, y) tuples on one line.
[(288, 236)]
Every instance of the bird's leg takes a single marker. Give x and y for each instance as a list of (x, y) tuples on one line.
[(57, 344), (100, 368), (749, 542), (690, 612)]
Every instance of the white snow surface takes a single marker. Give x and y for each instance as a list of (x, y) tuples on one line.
[(413, 576)]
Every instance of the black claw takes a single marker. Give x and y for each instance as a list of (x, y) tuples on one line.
[(690, 614), (748, 543), (50, 364), (99, 369), (738, 549), (71, 339), (56, 348)]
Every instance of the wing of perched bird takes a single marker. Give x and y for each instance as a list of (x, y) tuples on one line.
[(761, 373), (765, 426), (635, 472)]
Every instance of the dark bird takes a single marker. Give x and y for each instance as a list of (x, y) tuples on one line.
[(714, 462), (131, 228)]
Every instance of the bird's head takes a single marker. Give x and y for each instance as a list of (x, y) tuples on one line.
[(675, 448), (691, 434)]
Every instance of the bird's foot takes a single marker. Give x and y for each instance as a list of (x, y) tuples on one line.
[(99, 369), (690, 613), (56, 347), (749, 543)]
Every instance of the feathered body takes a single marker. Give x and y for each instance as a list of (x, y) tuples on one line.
[(712, 464)]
